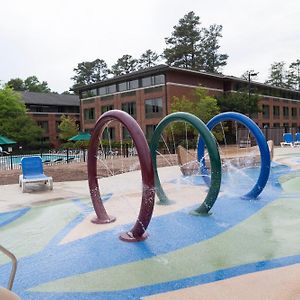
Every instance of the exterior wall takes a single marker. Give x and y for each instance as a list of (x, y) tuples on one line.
[(179, 83), (284, 121), (52, 134)]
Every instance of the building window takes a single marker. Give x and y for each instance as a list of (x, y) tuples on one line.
[(276, 125), (294, 125), (285, 111), (125, 134), (109, 133), (294, 112), (153, 108), (130, 108), (153, 80), (128, 85), (266, 111), (110, 89), (149, 131), (44, 125), (276, 112), (106, 108), (89, 114)]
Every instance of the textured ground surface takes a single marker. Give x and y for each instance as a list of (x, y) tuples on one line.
[(243, 250)]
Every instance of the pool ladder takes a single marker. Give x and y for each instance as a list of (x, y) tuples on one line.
[(13, 268)]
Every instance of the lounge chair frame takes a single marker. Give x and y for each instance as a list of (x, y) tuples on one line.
[(32, 168)]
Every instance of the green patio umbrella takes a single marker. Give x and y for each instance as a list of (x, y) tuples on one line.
[(6, 141), (81, 136)]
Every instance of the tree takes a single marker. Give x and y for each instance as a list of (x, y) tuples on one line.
[(277, 76), (202, 105), (124, 65), (293, 75), (14, 122), (210, 59), (90, 72), (239, 102), (148, 59), (30, 84), (183, 46), (67, 127), (193, 47), (17, 84)]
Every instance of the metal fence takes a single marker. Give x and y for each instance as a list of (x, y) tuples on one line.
[(10, 161), (271, 133)]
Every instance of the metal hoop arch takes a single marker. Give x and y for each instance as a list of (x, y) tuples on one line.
[(138, 232), (261, 142), (213, 154)]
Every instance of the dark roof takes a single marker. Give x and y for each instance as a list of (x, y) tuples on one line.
[(143, 72), (49, 99), (164, 68)]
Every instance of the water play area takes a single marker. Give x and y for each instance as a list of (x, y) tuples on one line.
[(196, 243)]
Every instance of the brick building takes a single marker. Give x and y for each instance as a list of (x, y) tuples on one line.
[(47, 108), (147, 95)]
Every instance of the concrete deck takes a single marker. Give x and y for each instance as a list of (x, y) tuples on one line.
[(243, 250)]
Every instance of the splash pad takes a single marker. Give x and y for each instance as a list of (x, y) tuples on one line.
[(227, 245), (149, 167)]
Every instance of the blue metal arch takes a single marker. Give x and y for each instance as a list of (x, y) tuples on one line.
[(261, 142)]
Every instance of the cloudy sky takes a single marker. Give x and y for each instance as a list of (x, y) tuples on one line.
[(49, 38)]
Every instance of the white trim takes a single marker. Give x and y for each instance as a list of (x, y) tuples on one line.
[(268, 96), (195, 86), (123, 92), (52, 113)]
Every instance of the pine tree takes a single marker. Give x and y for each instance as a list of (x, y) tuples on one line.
[(124, 65)]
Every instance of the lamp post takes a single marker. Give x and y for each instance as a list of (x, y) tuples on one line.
[(250, 74)]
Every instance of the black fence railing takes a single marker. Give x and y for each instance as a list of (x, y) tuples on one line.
[(10, 161), (271, 133)]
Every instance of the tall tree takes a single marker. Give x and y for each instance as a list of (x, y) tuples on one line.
[(277, 76), (14, 122), (183, 46), (148, 59), (90, 72), (30, 84), (210, 59), (17, 84), (124, 65), (193, 47), (293, 75)]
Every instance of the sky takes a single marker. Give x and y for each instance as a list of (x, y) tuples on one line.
[(48, 38)]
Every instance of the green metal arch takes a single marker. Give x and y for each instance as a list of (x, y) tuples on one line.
[(213, 152)]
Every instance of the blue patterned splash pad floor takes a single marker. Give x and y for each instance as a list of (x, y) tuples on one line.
[(61, 255)]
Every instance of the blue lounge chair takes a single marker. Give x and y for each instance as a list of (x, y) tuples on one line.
[(32, 171), (297, 142), (287, 140)]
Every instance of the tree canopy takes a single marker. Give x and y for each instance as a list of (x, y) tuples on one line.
[(30, 84), (148, 59), (201, 105), (277, 74), (67, 127), (90, 72), (124, 65), (14, 122), (193, 47), (240, 102)]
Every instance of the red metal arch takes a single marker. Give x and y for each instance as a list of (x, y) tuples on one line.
[(138, 232)]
